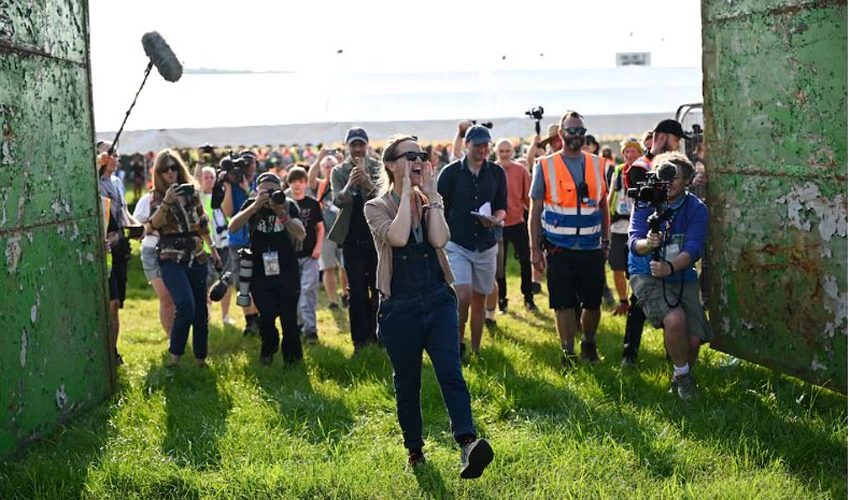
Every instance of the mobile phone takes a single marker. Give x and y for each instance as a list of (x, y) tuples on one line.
[(135, 231), (185, 189)]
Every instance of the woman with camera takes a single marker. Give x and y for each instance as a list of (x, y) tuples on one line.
[(418, 308), (180, 219), (275, 233)]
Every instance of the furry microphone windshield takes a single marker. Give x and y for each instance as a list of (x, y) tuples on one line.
[(162, 56)]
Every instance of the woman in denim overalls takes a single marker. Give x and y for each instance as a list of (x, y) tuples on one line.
[(418, 309)]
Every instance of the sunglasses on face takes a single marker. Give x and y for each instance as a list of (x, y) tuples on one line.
[(412, 156), (173, 167), (575, 130)]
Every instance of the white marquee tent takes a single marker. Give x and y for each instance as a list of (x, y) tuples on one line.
[(297, 108)]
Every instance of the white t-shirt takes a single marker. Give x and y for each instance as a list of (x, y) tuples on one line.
[(142, 213)]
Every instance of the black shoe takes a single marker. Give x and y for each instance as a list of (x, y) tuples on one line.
[(345, 302), (684, 386), (530, 305), (503, 305), (475, 456), (118, 359), (312, 338), (251, 329), (333, 306), (588, 352), (490, 323), (536, 288), (569, 360), (414, 458)]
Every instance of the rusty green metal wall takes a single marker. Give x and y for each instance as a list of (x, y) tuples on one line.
[(775, 88), (53, 326)]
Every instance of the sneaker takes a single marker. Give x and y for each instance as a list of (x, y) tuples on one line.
[(345, 302), (333, 306), (503, 305), (569, 360), (490, 323), (530, 305), (475, 456), (414, 458), (536, 288), (311, 337), (588, 352), (251, 329), (622, 308), (685, 386), (629, 360)]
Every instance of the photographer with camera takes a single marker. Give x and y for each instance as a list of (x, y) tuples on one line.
[(666, 136), (275, 233), (183, 227), (218, 233), (354, 182), (236, 178), (667, 231), (569, 216)]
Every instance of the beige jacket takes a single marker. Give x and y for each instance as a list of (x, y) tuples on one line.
[(380, 213)]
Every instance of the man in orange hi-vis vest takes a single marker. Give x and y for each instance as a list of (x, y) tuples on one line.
[(570, 220)]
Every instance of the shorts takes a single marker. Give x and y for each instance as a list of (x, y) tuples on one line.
[(331, 255), (233, 265), (575, 278), (472, 267), (118, 281), (617, 252), (150, 263), (650, 296)]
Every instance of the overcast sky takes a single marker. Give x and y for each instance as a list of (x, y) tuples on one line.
[(384, 35)]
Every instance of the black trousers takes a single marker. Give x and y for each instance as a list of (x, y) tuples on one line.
[(518, 236), (361, 264), (275, 301), (634, 322)]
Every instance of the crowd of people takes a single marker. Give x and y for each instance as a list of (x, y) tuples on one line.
[(417, 236)]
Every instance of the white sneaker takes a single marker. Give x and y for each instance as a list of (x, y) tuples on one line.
[(227, 320)]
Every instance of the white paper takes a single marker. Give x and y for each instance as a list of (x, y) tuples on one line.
[(486, 209)]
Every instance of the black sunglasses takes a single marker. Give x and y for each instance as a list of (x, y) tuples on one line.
[(412, 156), (575, 130), (171, 166)]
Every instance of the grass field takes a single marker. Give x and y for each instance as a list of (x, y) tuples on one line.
[(327, 428)]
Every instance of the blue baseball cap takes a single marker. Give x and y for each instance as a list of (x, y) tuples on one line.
[(478, 134), (356, 134)]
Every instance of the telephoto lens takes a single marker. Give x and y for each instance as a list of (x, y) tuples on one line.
[(277, 197), (246, 270)]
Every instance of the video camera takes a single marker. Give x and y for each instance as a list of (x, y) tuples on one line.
[(536, 114), (231, 169), (652, 191)]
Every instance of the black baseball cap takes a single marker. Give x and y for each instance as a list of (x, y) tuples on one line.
[(670, 127)]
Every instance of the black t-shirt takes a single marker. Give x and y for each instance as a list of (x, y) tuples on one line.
[(358, 229), (268, 234), (310, 212)]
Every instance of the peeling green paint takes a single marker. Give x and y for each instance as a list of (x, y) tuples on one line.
[(775, 88), (53, 356)]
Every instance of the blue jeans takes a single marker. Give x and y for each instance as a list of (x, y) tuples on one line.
[(187, 286), (309, 298), (407, 326)]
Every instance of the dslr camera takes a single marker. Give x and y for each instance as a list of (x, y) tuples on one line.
[(233, 169), (277, 196)]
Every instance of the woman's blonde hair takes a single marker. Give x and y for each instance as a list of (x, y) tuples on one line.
[(163, 158)]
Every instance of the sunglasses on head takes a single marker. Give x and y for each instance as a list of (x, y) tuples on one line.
[(412, 156), (575, 130)]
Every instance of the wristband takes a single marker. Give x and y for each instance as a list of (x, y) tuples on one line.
[(672, 269)]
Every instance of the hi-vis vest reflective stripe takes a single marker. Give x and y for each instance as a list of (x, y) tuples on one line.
[(567, 221)]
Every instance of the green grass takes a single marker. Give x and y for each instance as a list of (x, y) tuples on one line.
[(327, 428)]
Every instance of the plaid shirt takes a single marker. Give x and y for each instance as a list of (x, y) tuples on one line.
[(186, 215)]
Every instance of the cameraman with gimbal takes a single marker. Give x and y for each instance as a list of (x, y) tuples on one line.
[(667, 232), (275, 233), (236, 177)]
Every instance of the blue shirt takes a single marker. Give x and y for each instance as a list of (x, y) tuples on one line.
[(684, 230), (241, 237), (463, 193)]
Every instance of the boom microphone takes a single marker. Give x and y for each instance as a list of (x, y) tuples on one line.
[(161, 56)]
